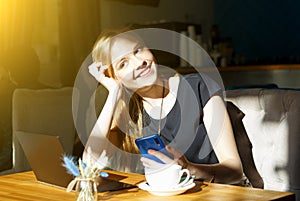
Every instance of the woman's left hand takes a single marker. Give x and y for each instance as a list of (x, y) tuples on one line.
[(151, 164), (179, 158)]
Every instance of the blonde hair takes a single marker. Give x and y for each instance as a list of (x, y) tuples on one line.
[(101, 51), (130, 101)]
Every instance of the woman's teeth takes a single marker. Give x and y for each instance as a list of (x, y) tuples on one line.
[(145, 72)]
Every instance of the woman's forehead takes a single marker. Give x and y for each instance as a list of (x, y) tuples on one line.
[(123, 45)]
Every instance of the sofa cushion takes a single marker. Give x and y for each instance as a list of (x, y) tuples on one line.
[(272, 123)]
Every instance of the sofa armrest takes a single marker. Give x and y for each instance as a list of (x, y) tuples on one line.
[(244, 145)]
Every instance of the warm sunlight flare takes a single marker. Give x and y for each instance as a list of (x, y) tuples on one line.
[(16, 18), (29, 38)]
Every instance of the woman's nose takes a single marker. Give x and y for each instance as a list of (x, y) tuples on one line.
[(139, 62), (143, 64)]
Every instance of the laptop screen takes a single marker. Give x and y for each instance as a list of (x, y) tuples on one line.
[(44, 154)]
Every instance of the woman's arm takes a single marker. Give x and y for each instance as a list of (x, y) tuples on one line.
[(217, 123), (97, 140), (218, 126)]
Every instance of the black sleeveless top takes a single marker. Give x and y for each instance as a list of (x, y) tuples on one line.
[(183, 127)]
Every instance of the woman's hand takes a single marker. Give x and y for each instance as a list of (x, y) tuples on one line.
[(179, 158), (151, 164), (96, 69)]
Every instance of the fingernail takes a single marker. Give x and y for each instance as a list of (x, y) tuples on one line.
[(150, 151)]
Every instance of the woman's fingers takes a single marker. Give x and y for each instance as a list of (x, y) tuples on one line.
[(96, 69), (151, 164), (179, 159), (160, 156), (148, 163), (93, 70)]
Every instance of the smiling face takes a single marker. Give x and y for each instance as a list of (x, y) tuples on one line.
[(133, 64)]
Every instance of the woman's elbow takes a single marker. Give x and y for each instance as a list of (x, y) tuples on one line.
[(237, 173)]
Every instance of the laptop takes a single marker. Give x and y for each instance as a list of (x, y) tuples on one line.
[(44, 154)]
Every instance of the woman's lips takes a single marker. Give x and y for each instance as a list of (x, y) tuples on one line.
[(144, 72)]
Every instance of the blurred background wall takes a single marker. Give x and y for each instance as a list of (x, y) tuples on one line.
[(62, 32), (263, 32)]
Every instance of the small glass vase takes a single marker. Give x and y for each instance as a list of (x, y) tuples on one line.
[(86, 189)]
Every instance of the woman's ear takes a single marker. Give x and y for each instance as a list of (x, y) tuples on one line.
[(109, 72)]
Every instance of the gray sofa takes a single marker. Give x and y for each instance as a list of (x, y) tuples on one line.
[(270, 116), (271, 120), (43, 111)]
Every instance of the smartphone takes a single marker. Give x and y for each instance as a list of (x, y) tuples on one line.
[(151, 142)]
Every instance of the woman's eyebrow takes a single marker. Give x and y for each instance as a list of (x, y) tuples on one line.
[(137, 45)]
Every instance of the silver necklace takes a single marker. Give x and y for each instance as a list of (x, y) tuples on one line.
[(161, 107)]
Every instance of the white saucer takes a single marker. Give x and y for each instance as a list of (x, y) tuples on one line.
[(166, 192)]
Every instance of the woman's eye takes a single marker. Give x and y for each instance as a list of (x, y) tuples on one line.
[(138, 50), (123, 64)]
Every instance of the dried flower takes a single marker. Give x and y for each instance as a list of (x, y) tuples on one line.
[(87, 170), (70, 165)]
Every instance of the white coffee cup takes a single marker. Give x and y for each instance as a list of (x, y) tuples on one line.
[(167, 177)]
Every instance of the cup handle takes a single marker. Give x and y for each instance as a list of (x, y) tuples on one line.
[(186, 179)]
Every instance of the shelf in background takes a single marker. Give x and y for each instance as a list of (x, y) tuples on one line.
[(186, 70), (283, 75)]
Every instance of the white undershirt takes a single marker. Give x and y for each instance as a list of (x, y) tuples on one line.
[(152, 105)]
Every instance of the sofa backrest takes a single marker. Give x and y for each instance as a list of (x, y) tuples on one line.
[(272, 122), (43, 111)]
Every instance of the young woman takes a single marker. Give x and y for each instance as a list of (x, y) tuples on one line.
[(189, 115)]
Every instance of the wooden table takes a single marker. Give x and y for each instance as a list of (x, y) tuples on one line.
[(24, 187)]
